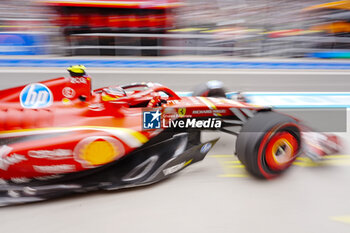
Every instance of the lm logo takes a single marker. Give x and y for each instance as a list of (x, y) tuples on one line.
[(151, 119), (36, 95)]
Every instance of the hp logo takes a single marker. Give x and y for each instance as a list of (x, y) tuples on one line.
[(36, 95)]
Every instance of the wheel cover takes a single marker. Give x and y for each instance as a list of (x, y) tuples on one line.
[(281, 150)]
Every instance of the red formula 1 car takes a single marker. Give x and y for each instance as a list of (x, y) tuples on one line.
[(58, 137)]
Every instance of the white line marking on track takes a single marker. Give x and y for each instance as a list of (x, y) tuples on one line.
[(343, 219)]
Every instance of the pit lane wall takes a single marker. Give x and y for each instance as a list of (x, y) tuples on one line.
[(298, 99), (23, 43), (323, 111), (172, 62), (293, 100)]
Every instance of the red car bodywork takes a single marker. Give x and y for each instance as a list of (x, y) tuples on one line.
[(82, 129)]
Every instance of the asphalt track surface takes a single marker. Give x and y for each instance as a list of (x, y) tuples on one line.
[(215, 195)]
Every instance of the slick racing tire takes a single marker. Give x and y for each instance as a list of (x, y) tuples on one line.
[(210, 89), (268, 144)]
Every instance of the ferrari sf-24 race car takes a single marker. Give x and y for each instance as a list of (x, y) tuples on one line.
[(58, 137)]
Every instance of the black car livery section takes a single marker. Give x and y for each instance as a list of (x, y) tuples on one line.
[(159, 158)]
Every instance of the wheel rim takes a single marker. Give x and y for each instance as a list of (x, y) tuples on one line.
[(281, 150)]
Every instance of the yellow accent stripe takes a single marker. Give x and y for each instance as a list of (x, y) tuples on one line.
[(236, 166), (305, 159), (25, 130), (209, 104), (236, 162), (139, 136), (303, 164), (188, 162), (344, 219), (345, 5), (135, 134), (330, 160), (108, 98)]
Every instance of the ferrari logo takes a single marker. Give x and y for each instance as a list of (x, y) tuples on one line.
[(181, 112)]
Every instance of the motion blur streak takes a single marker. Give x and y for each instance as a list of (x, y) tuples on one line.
[(216, 195), (293, 197)]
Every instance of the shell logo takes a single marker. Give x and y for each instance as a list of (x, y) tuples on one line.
[(98, 150)]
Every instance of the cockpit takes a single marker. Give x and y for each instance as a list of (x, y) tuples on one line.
[(137, 94)]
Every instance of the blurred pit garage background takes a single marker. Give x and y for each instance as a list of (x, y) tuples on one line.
[(289, 54), (238, 28)]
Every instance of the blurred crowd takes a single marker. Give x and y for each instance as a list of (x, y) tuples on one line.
[(276, 14), (24, 15), (237, 26)]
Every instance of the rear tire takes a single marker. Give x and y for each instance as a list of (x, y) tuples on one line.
[(268, 144)]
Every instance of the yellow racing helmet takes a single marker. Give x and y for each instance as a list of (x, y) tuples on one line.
[(77, 70)]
